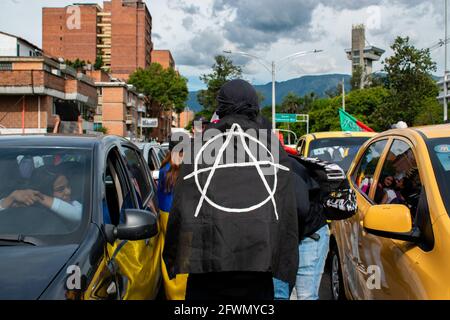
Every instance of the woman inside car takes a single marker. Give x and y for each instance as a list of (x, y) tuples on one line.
[(59, 202)]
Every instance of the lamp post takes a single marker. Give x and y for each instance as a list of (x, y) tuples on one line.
[(271, 67), (445, 65)]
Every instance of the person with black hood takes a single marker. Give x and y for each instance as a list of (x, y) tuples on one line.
[(233, 224)]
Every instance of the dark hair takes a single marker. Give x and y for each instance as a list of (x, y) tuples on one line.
[(172, 173)]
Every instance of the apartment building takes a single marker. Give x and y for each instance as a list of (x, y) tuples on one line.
[(33, 88), (120, 107), (119, 33)]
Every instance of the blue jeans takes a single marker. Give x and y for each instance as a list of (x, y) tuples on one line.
[(312, 256)]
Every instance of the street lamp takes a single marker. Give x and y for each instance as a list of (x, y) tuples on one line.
[(445, 65), (271, 67)]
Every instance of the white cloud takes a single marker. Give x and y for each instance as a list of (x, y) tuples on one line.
[(195, 30)]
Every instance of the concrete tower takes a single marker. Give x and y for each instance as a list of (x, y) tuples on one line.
[(362, 56)]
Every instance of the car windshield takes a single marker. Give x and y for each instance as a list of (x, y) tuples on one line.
[(340, 151), (44, 193), (439, 150)]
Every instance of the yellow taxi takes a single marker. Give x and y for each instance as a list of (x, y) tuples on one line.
[(397, 245), (338, 147)]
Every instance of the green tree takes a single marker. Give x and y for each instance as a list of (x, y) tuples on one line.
[(410, 84), (334, 92), (77, 64), (102, 129), (164, 86), (223, 70), (357, 78), (98, 63), (291, 103), (308, 101)]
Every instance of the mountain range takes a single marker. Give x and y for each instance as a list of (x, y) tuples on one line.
[(319, 84)]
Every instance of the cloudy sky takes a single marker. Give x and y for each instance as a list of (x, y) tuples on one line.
[(196, 30)]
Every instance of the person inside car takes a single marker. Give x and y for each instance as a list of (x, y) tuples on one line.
[(60, 202), (385, 190)]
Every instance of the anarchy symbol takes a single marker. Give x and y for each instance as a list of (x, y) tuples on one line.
[(235, 131)]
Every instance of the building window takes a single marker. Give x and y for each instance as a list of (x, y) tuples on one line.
[(31, 53), (18, 50), (5, 66)]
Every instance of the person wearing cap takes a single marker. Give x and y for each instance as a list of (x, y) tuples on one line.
[(175, 289), (234, 242)]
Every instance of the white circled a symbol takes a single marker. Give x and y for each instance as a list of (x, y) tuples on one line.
[(235, 130)]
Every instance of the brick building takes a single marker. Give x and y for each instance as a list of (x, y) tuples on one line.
[(120, 107), (32, 87), (164, 58), (120, 33), (184, 118)]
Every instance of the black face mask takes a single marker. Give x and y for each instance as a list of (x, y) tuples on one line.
[(237, 97)]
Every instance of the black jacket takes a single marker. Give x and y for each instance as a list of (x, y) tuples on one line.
[(263, 239), (309, 200)]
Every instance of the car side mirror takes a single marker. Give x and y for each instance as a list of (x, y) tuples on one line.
[(391, 221), (138, 225)]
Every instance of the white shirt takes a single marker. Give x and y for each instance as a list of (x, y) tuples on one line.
[(71, 211)]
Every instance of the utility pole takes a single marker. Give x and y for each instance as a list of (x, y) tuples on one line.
[(273, 96), (343, 94), (445, 71)]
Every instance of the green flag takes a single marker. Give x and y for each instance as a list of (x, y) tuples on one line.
[(350, 123)]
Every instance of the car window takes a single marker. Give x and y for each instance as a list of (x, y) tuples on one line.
[(155, 159), (44, 192), (340, 151), (399, 181), (135, 165), (439, 150), (151, 160), (118, 195), (301, 146), (161, 155), (364, 174)]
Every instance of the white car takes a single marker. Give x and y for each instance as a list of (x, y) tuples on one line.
[(154, 155)]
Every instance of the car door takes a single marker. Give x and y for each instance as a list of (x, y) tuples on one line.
[(148, 251), (114, 278), (387, 266), (350, 230), (154, 155), (301, 146)]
